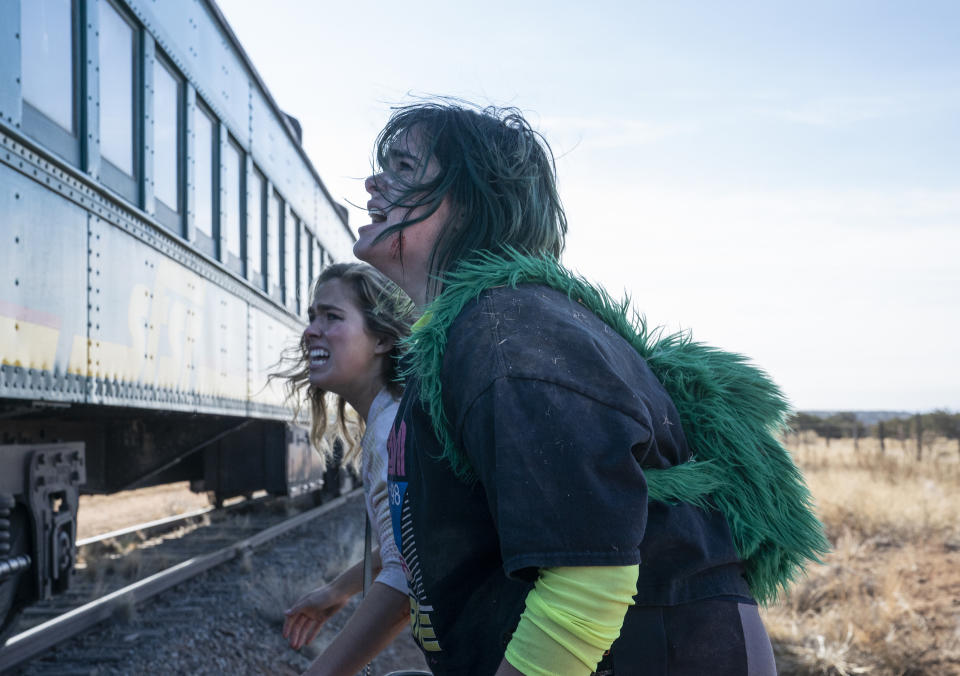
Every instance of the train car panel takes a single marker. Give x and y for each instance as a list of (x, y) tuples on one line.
[(223, 373), (10, 96), (269, 338), (124, 327), (40, 315)]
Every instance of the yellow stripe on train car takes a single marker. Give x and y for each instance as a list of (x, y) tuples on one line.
[(27, 344)]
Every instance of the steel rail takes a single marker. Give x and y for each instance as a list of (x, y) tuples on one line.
[(147, 527), (42, 637)]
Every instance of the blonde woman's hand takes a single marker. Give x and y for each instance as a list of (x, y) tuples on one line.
[(307, 616)]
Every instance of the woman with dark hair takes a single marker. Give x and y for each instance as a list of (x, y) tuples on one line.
[(349, 351), (571, 492)]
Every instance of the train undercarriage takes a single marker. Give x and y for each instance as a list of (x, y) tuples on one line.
[(53, 454)]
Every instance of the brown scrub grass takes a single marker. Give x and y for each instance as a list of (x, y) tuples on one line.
[(886, 601)]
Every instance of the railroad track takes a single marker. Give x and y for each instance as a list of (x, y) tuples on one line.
[(156, 556)]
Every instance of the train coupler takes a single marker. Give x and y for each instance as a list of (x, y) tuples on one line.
[(55, 473)]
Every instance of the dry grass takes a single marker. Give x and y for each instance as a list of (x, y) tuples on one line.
[(887, 600)]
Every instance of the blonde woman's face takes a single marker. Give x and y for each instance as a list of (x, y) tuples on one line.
[(344, 358)]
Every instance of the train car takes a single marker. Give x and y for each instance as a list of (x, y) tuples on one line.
[(160, 224)]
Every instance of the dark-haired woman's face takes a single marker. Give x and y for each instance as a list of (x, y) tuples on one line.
[(404, 256)]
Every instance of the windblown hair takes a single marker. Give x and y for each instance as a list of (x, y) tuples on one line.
[(498, 172), (386, 312)]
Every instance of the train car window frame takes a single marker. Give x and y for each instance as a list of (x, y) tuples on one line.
[(256, 228), (275, 223), (231, 202), (111, 175), (207, 242), (171, 216), (304, 249), (35, 122), (289, 265), (316, 260)]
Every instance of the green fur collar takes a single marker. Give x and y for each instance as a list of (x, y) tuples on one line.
[(731, 414)]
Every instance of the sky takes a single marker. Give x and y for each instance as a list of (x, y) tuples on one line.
[(780, 178)]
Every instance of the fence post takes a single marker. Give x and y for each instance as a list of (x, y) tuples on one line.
[(880, 434), (919, 422)]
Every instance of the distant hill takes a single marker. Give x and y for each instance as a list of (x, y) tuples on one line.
[(865, 417)]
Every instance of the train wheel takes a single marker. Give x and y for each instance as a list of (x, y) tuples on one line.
[(13, 522)]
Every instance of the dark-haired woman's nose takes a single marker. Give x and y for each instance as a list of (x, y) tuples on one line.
[(371, 184)]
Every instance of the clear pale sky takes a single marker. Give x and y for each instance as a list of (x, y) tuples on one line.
[(782, 178)]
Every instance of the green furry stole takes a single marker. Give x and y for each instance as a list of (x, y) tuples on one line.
[(731, 413)]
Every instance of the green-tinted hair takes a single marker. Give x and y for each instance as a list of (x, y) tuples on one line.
[(498, 173)]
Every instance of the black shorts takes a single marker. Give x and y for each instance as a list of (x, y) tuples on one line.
[(718, 637)]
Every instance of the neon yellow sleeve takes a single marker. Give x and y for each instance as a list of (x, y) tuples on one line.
[(572, 615)]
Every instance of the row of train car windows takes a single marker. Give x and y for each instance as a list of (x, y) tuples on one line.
[(238, 218)]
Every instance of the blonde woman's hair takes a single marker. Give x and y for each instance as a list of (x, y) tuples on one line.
[(387, 312)]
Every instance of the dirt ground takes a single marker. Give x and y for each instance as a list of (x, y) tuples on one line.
[(104, 513)]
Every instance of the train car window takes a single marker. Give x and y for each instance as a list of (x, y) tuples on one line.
[(290, 262), (255, 226), (274, 222), (206, 178), (119, 57), (233, 196), (50, 74), (168, 116)]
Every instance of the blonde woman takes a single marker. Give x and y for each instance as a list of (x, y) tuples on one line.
[(350, 349)]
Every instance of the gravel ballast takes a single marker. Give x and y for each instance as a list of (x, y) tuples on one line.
[(229, 619)]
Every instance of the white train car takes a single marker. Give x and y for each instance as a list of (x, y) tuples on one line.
[(160, 225)]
